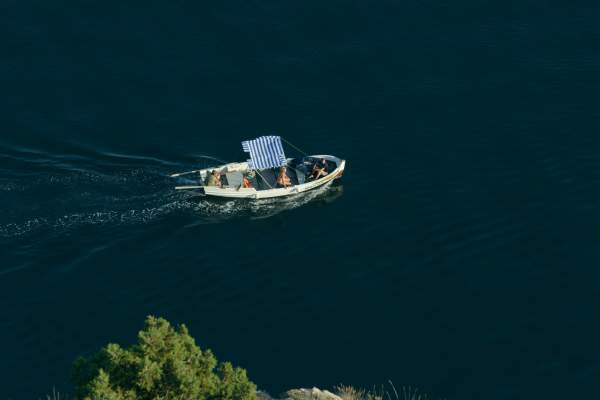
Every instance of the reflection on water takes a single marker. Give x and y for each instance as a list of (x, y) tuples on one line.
[(218, 210)]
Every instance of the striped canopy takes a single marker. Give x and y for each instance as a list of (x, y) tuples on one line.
[(265, 152)]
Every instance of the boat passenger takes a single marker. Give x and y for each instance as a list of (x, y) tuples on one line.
[(246, 182), (213, 179), (283, 180), (319, 170)]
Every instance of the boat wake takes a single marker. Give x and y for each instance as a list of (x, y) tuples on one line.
[(111, 190), (222, 210), (79, 219)]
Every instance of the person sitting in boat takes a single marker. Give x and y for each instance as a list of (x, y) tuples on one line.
[(213, 179), (246, 182), (283, 180), (319, 170)]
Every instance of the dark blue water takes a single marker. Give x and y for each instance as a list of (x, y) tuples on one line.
[(459, 253)]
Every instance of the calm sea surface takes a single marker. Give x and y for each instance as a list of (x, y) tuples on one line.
[(459, 254)]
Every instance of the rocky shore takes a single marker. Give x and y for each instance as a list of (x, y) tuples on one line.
[(301, 394)]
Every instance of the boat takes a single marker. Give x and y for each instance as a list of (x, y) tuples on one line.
[(256, 178)]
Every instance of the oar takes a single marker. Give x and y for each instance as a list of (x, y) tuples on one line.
[(188, 187), (184, 173)]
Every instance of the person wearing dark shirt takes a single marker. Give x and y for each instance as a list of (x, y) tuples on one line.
[(319, 170)]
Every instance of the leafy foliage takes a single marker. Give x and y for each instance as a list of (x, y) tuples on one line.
[(165, 364)]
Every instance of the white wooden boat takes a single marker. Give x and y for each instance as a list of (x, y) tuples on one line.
[(264, 183), (263, 180)]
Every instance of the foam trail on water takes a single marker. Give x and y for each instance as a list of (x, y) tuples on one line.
[(219, 210), (206, 211), (98, 218), (111, 189)]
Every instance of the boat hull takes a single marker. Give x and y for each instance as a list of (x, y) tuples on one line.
[(252, 193)]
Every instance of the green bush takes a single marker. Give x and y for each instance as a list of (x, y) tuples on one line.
[(165, 364)]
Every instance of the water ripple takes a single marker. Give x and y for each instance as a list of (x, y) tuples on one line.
[(73, 191)]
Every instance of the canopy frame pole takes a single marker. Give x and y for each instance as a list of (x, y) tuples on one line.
[(300, 150), (263, 178), (295, 169), (305, 154)]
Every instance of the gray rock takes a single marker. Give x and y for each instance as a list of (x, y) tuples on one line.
[(260, 395), (311, 394)]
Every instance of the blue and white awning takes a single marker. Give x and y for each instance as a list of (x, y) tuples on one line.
[(265, 152)]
